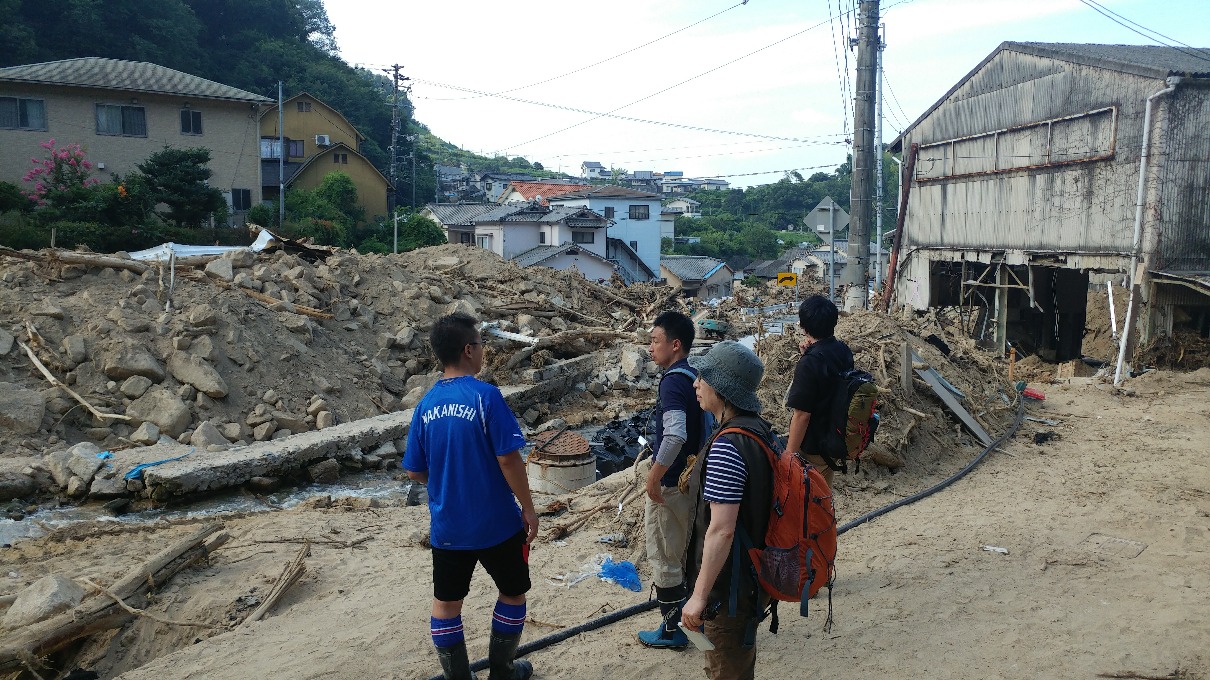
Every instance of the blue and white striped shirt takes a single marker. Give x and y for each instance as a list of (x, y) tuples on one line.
[(726, 473)]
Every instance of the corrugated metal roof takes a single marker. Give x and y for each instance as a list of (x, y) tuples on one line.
[(460, 214), (128, 76), (1152, 61), (541, 254), (691, 267)]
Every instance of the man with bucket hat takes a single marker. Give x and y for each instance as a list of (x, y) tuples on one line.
[(733, 487)]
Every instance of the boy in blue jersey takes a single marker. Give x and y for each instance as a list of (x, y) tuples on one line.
[(464, 443)]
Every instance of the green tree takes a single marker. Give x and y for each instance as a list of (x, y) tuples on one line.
[(419, 231), (179, 178)]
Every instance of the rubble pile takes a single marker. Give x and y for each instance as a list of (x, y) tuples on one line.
[(254, 347)]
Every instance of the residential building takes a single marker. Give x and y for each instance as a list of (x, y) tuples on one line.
[(492, 184), (683, 206), (698, 277), (592, 170), (318, 141), (121, 112), (524, 192), (635, 216), (530, 234), (1031, 183)]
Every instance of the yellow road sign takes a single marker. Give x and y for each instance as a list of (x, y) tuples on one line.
[(787, 279)]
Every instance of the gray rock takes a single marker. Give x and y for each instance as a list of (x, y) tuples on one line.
[(324, 420), (6, 342), (290, 422), (241, 259), (21, 409), (270, 397), (76, 487), (135, 386), (596, 389), (204, 347), (16, 484), (202, 315), (263, 484), (194, 370), (207, 435), (326, 471), (163, 408), (49, 308), (612, 375), (186, 392), (84, 462), (230, 431), (147, 434), (182, 342), (130, 320), (633, 364), (75, 348), (296, 323), (317, 406), (281, 434), (48, 596), (264, 431), (58, 464), (552, 425), (404, 336), (105, 487), (220, 269), (133, 360), (385, 450)]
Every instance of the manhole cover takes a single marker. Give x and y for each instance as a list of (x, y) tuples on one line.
[(1118, 547)]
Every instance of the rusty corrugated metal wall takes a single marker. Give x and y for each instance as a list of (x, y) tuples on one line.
[(1184, 183)]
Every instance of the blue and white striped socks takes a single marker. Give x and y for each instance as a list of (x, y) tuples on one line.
[(446, 632), (508, 619)]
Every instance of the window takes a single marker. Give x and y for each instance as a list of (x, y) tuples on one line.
[(640, 212), (583, 237), (241, 199), (304, 107), (634, 245), (270, 147), (487, 186), (465, 237), (541, 237), (124, 121), (191, 122), (484, 242), (609, 213), (22, 114), (340, 158), (296, 148)]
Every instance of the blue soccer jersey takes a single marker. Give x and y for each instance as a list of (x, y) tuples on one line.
[(457, 431)]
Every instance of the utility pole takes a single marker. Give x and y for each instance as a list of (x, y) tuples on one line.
[(281, 159), (880, 150), (856, 271), (394, 70)]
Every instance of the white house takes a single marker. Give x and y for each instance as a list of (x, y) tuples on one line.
[(592, 170), (635, 217), (530, 234), (684, 206)]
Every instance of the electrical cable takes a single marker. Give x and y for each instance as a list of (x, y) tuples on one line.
[(844, 105), (1114, 16), (624, 613), (593, 65)]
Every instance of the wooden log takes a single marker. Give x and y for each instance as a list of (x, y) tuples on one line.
[(72, 257), (291, 573), (97, 614)]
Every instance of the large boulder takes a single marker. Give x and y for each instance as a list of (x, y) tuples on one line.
[(634, 363), (21, 409), (162, 408), (48, 596), (207, 435), (194, 370), (6, 342), (132, 360), (220, 269)]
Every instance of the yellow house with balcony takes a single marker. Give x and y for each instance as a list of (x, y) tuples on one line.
[(318, 140)]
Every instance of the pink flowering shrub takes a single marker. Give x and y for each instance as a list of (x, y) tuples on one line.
[(57, 179)]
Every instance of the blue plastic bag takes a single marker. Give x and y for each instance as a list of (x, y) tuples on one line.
[(622, 573)]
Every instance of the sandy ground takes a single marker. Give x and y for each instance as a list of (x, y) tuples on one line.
[(917, 595)]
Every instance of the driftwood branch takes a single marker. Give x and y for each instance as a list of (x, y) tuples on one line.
[(98, 614), (292, 572), (585, 334), (61, 385), (139, 612), (71, 257)]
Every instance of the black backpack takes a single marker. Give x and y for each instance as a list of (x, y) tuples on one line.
[(852, 420)]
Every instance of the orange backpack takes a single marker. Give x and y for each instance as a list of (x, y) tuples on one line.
[(799, 556)]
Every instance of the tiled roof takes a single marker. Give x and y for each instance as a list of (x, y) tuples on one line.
[(460, 214), (128, 76), (592, 164), (531, 190), (691, 267), (541, 254), (606, 191)]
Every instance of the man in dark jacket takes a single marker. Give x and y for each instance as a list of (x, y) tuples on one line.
[(823, 359)]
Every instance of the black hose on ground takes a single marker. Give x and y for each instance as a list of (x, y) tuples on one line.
[(612, 617)]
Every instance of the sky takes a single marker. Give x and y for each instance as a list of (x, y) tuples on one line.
[(720, 88)]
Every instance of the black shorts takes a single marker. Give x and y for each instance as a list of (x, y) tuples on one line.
[(506, 563)]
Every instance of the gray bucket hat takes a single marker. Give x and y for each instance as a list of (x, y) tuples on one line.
[(734, 371)]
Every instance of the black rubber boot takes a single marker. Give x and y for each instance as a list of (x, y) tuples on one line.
[(500, 663), (454, 662)]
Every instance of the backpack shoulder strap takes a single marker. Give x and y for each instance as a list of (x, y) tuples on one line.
[(764, 445), (680, 370)]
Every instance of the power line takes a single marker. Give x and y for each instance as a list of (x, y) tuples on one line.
[(582, 154), (844, 102), (1114, 17), (766, 172), (594, 65), (670, 87), (607, 114), (906, 118)]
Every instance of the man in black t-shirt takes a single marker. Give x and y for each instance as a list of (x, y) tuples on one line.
[(823, 359)]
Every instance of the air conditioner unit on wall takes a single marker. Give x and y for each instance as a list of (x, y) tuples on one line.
[(323, 140)]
